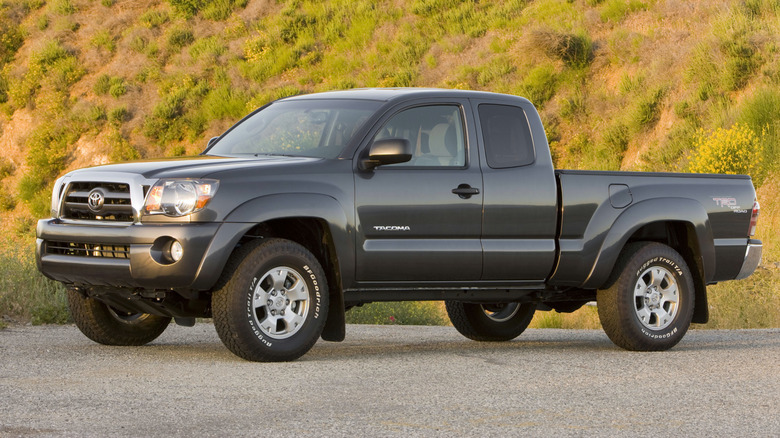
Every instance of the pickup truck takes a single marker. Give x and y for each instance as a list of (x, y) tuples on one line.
[(314, 204)]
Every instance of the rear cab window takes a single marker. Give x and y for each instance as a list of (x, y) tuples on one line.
[(507, 136)]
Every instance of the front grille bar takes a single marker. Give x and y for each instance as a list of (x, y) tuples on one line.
[(88, 250)]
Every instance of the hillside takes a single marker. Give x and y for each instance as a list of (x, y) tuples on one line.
[(621, 84)]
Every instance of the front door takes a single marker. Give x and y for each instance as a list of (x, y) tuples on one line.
[(420, 221)]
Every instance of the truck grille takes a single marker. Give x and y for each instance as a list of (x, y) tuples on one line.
[(88, 250), (101, 201)]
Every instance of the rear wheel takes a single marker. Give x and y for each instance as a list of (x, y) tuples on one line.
[(490, 322), (106, 325), (274, 306), (650, 305)]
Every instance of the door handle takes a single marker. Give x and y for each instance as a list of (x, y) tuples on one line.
[(465, 191)]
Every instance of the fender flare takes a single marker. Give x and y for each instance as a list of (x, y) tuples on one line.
[(646, 212), (303, 205), (293, 205)]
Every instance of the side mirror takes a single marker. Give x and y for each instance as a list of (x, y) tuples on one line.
[(211, 142), (387, 151)]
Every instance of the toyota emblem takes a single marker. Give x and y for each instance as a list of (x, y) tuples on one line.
[(95, 200)]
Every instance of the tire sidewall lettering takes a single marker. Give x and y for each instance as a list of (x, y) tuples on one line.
[(252, 324), (660, 261), (679, 276), (314, 292)]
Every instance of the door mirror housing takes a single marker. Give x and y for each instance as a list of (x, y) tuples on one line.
[(211, 142), (387, 151)]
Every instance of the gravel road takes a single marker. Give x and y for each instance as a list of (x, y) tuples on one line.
[(390, 381)]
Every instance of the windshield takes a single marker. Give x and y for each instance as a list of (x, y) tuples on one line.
[(309, 128)]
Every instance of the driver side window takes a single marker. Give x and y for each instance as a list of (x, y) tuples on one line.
[(435, 133)]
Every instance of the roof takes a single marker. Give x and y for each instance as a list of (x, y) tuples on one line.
[(389, 94)]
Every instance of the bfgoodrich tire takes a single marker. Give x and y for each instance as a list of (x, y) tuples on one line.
[(650, 305), (275, 304), (490, 322), (108, 326)]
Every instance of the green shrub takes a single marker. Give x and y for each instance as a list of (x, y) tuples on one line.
[(102, 84), (96, 113), (176, 151), (647, 110), (138, 44), (616, 138), (118, 115), (117, 87), (25, 294), (629, 84), (757, 8), (107, 3), (177, 112), (7, 201), (616, 10), (121, 149), (51, 65), (153, 18), (211, 46), (403, 313), (187, 8), (6, 167), (494, 70), (103, 39), (575, 50), (179, 38), (539, 85), (63, 7), (219, 10), (762, 110), (47, 150), (598, 155), (3, 87), (224, 102), (573, 107), (670, 155), (33, 5), (11, 39), (42, 22)]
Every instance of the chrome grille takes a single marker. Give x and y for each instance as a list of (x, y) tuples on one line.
[(88, 250), (114, 202)]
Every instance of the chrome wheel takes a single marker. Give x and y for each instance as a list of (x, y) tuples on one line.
[(656, 298), (500, 312), (280, 302)]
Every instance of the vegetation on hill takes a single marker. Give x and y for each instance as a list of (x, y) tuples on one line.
[(621, 84)]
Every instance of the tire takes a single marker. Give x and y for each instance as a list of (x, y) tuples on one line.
[(108, 326), (650, 304), (274, 306), (490, 322)]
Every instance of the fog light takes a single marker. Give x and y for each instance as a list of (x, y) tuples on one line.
[(176, 251)]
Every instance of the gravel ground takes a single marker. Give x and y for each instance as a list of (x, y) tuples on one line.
[(390, 381)]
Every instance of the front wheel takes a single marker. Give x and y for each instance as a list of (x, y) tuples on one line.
[(108, 326), (650, 305), (490, 322), (274, 306)]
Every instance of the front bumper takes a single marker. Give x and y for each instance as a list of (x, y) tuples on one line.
[(752, 259), (134, 257)]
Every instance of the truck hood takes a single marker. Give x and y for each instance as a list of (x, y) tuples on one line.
[(193, 167)]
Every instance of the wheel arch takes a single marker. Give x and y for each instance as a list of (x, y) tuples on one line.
[(318, 223), (681, 224)]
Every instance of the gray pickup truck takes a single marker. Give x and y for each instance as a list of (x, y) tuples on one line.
[(317, 203)]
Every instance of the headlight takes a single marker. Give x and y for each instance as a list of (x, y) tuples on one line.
[(179, 197)]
